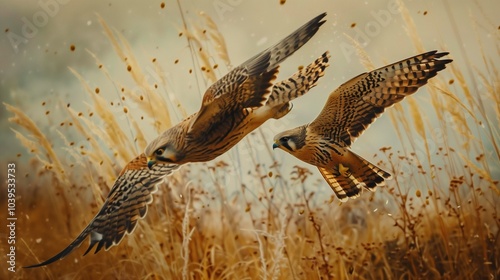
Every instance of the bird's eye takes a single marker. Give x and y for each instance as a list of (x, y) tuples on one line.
[(284, 139), (159, 152)]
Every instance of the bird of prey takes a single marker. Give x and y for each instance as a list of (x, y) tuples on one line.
[(232, 107), (349, 110)]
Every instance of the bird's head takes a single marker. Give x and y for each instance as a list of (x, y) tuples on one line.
[(163, 150), (291, 140)]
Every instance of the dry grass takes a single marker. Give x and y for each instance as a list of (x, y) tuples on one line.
[(437, 219)]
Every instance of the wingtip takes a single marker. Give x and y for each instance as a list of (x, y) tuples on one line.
[(319, 19), (322, 15), (315, 23), (437, 54), (55, 258), (34, 265), (66, 251), (75, 244)]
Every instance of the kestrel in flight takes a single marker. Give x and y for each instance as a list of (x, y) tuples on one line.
[(232, 107), (349, 110)]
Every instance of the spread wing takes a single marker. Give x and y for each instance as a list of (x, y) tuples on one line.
[(248, 85), (127, 202), (352, 107)]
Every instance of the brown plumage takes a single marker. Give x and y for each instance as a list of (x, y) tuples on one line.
[(238, 103), (349, 110), (232, 107), (127, 202)]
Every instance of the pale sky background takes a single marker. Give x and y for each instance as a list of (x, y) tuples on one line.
[(37, 69)]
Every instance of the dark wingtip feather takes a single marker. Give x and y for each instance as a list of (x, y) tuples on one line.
[(75, 244), (272, 56)]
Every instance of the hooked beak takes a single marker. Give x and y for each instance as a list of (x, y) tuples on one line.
[(151, 162), (275, 145)]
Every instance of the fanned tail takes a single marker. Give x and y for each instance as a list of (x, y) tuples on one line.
[(347, 182)]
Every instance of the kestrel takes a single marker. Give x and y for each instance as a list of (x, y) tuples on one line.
[(232, 107), (238, 103), (349, 110)]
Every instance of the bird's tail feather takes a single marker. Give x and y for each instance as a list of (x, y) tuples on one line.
[(348, 182), (298, 84)]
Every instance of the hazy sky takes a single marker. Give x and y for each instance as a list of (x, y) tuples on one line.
[(36, 39)]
